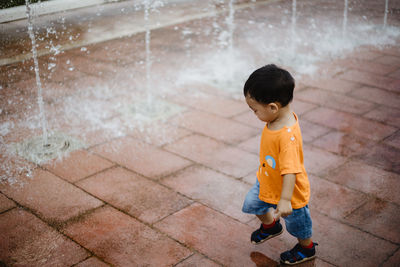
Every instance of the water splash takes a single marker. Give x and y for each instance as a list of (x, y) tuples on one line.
[(221, 70), (294, 11), (293, 35), (386, 13), (38, 81), (149, 6), (99, 112), (344, 25), (318, 40), (212, 5), (148, 51), (230, 21)]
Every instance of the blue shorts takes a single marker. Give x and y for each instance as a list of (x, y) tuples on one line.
[(298, 223)]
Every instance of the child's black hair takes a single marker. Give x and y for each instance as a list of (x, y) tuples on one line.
[(270, 84)]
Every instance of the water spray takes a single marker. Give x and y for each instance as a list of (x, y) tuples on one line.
[(344, 26), (294, 7), (148, 51), (231, 25), (38, 82), (386, 13)]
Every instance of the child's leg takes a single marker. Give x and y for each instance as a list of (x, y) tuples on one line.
[(267, 218), (299, 224), (305, 242), (303, 251), (269, 228), (253, 205)]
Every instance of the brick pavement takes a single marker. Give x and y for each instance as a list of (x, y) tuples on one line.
[(170, 193)]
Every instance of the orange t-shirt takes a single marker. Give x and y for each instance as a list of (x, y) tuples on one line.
[(281, 152)]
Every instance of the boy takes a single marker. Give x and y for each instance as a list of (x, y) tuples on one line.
[(282, 188)]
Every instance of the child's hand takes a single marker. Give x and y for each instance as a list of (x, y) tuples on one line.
[(274, 213), (283, 209)]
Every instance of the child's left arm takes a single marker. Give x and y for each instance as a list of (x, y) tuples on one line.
[(284, 207)]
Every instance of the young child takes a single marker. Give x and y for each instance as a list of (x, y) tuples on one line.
[(282, 188)]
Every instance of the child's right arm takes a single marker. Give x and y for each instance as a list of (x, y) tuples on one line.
[(284, 207)]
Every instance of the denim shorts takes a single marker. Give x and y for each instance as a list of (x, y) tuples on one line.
[(298, 223)]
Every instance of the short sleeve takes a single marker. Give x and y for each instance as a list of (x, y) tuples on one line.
[(289, 159)]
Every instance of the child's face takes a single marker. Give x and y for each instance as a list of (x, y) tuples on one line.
[(265, 112)]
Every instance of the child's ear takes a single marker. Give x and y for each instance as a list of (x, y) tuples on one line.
[(274, 107)]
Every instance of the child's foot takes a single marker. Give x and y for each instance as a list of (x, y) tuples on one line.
[(298, 254), (262, 234)]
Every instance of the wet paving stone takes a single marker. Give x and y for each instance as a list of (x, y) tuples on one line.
[(160, 134), (251, 144), (140, 197), (79, 164), (318, 161), (212, 189), (389, 60), (140, 157), (368, 179), (50, 197), (310, 131), (5, 203), (393, 260), (348, 246), (384, 157), (15, 72), (394, 140), (343, 144), (349, 123), (366, 55), (92, 262), (219, 128), (216, 105), (371, 66), (334, 200), (379, 218), (218, 156), (248, 118), (395, 74), (251, 178), (333, 100), (123, 241), (213, 234), (394, 86), (387, 115), (377, 96), (367, 78), (333, 85), (197, 260), (301, 107), (27, 241)]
